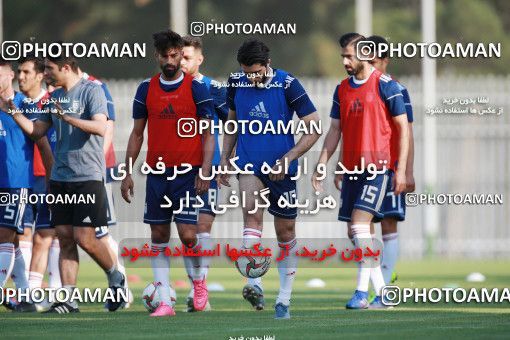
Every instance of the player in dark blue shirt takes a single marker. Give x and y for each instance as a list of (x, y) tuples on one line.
[(267, 95), (37, 249), (16, 179)]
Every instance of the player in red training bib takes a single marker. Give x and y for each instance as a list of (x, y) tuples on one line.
[(393, 207), (161, 102), (367, 112)]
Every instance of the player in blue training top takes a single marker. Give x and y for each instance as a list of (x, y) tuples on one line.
[(190, 64), (393, 207), (16, 178), (37, 215), (261, 93)]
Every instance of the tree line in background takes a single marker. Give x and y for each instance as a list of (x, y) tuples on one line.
[(313, 51)]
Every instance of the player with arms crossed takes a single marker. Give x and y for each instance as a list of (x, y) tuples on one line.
[(190, 63), (263, 102), (393, 207), (160, 102), (368, 110), (79, 167)]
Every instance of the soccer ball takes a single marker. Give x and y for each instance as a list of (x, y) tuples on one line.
[(151, 298), (253, 267)]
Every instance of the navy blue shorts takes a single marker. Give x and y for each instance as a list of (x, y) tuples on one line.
[(277, 189), (12, 209), (362, 194), (110, 212), (393, 206), (158, 186), (38, 214)]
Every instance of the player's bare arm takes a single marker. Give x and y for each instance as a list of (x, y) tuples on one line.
[(402, 125), (328, 148), (108, 136), (97, 125), (303, 145), (35, 130), (133, 150), (46, 155), (338, 177)]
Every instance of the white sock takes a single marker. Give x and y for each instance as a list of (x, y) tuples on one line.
[(35, 280), (192, 264), (377, 278), (53, 268), (70, 289), (6, 262), (287, 271), (362, 239), (250, 237), (161, 270), (205, 244), (26, 251), (205, 261), (376, 275), (390, 256), (18, 271), (114, 246)]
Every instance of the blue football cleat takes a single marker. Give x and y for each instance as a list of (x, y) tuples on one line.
[(359, 300), (281, 311)]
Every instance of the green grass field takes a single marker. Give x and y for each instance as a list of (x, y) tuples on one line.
[(316, 313)]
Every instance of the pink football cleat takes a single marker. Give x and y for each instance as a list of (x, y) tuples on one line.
[(200, 294), (163, 310)]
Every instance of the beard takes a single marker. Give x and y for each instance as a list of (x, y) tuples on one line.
[(169, 71), (355, 70)]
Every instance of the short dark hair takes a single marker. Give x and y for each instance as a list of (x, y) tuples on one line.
[(349, 39), (253, 51), (167, 39), (4, 62), (378, 40), (38, 62), (191, 41), (63, 59)]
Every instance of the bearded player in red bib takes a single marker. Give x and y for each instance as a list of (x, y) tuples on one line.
[(160, 102), (368, 110)]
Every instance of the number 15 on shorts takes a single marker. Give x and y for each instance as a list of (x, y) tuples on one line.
[(369, 193)]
